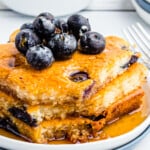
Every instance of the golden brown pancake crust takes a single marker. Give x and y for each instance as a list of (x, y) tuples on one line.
[(53, 85)]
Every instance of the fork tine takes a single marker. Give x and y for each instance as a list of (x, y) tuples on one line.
[(131, 41), (130, 38), (138, 42), (141, 36), (143, 31)]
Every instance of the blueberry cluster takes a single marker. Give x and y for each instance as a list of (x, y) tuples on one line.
[(47, 39)]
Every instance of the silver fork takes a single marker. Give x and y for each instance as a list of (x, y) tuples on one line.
[(139, 41)]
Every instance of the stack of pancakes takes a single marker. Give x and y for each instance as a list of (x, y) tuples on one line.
[(73, 99)]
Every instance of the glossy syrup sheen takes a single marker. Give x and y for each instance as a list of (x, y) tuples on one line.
[(32, 85), (119, 127)]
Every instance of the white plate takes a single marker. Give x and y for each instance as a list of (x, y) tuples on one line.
[(98, 145)]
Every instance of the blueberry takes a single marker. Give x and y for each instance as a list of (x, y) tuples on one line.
[(23, 115), (27, 26), (39, 57), (47, 15), (63, 45), (92, 43), (132, 60), (79, 76), (61, 25), (24, 39), (43, 27), (78, 24)]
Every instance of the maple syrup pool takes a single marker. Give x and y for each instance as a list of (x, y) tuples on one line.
[(116, 128)]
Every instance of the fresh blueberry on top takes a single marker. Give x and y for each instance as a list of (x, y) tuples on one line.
[(27, 26), (61, 25), (47, 15), (92, 43), (43, 27), (39, 57), (25, 39), (76, 23), (83, 30), (63, 45)]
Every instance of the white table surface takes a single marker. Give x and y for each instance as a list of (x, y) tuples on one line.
[(105, 22)]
